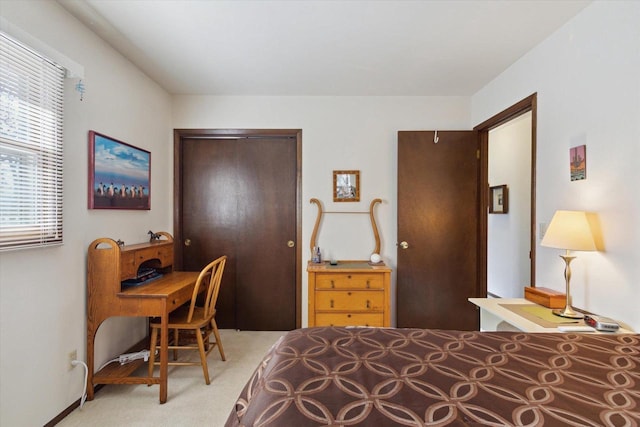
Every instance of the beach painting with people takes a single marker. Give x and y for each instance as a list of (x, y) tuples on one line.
[(119, 174)]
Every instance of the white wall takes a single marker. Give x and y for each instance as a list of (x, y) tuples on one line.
[(508, 235), (338, 133), (587, 76), (42, 291)]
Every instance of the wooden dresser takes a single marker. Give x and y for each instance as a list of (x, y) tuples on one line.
[(352, 293)]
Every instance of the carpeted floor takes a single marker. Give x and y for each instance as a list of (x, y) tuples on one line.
[(190, 402)]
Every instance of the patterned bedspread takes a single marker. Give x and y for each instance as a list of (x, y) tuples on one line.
[(417, 377)]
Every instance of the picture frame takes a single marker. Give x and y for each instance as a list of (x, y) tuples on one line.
[(499, 199), (578, 163), (119, 174), (346, 186)]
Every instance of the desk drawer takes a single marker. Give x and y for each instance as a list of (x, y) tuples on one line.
[(350, 300), (349, 281), (163, 253), (177, 299), (349, 319)]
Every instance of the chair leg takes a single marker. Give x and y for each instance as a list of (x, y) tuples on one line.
[(203, 356), (214, 325), (152, 350)]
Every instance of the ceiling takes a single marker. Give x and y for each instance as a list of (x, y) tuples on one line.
[(323, 47)]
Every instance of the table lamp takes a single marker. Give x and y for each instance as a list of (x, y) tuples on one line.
[(569, 230)]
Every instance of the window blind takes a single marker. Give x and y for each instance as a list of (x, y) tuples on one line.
[(31, 151)]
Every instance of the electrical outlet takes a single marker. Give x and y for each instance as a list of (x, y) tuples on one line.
[(72, 356)]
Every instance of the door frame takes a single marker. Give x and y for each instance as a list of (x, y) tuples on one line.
[(180, 134), (529, 103)]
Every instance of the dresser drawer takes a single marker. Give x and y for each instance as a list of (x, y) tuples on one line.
[(349, 281), (350, 300), (349, 319)]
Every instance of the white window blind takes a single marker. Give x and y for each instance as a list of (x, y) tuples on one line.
[(31, 114)]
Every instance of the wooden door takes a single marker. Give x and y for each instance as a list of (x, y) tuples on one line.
[(438, 226), (239, 197)]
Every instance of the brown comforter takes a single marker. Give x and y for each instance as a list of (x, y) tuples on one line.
[(417, 377)]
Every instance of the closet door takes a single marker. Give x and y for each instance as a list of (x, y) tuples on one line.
[(238, 197), (265, 285), (438, 226)]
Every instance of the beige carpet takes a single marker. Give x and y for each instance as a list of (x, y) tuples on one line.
[(190, 402)]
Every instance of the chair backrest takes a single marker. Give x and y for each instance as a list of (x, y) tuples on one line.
[(211, 277)]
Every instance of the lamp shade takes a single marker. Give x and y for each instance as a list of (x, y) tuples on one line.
[(569, 230)]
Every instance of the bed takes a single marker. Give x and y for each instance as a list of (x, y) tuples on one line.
[(413, 377)]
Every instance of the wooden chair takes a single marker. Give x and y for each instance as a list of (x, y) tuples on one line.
[(200, 321)]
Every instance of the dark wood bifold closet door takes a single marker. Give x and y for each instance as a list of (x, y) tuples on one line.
[(438, 220), (239, 198)]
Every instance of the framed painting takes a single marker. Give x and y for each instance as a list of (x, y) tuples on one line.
[(346, 186), (119, 174), (499, 199), (578, 163)]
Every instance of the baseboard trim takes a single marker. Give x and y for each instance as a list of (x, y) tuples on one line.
[(75, 405)]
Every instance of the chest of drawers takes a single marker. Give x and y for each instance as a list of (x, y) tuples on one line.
[(353, 293)]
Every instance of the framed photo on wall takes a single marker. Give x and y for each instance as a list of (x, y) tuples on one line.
[(346, 186), (119, 174), (499, 199), (578, 163)]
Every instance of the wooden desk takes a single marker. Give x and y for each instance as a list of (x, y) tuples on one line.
[(107, 266)]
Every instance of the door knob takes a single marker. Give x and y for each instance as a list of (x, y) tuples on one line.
[(187, 242), (403, 245), (291, 243)]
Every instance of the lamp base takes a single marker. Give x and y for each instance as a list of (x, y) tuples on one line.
[(568, 312)]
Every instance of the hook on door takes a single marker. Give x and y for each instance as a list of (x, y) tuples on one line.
[(436, 138)]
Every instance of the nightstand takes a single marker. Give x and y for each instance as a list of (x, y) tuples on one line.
[(519, 314)]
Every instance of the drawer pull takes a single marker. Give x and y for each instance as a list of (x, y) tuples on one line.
[(349, 293), (349, 276), (333, 285), (368, 304), (368, 285), (331, 305), (348, 315)]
